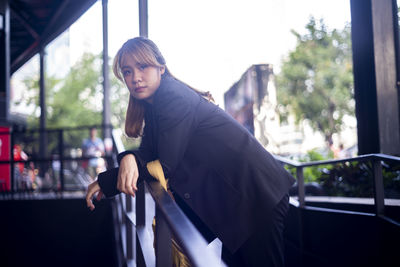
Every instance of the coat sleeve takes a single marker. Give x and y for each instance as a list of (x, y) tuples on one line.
[(108, 179), (142, 155), (175, 115)]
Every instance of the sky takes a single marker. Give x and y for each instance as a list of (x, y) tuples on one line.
[(208, 44)]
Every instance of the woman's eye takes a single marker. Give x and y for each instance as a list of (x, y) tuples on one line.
[(143, 66), (126, 72)]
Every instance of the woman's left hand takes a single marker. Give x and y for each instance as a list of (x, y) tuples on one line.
[(93, 188)]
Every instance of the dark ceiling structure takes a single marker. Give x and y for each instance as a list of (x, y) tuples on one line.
[(35, 23)]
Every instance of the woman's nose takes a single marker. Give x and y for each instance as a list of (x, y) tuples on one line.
[(137, 77)]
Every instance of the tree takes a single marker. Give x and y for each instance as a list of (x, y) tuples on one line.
[(77, 100), (316, 79)]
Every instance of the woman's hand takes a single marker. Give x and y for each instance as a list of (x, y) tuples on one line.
[(128, 175), (93, 188)]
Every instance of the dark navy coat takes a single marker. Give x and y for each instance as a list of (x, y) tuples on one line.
[(212, 162)]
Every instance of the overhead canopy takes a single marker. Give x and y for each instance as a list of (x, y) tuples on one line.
[(35, 23)]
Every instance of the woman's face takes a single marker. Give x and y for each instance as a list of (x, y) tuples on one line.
[(142, 80)]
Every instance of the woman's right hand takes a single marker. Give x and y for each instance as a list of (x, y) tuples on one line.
[(128, 175)]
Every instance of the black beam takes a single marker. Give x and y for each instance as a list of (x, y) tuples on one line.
[(17, 14), (386, 80), (374, 68), (4, 60), (61, 20)]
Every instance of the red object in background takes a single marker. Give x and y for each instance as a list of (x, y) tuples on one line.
[(5, 155), (19, 155)]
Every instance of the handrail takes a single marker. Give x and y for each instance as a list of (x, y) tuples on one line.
[(377, 175), (326, 162), (170, 221), (43, 159), (184, 231)]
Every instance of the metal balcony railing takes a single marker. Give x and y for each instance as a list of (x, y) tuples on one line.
[(376, 161), (139, 247)]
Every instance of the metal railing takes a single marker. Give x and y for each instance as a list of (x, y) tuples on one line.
[(136, 233), (55, 161), (375, 159)]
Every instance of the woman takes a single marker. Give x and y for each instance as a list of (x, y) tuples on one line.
[(220, 175)]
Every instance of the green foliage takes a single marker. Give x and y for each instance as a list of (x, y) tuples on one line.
[(77, 100), (311, 174), (316, 79), (349, 179)]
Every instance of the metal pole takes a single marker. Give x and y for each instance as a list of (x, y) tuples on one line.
[(129, 228), (106, 84), (162, 241), (12, 171), (300, 185), (42, 102), (140, 221), (143, 19), (379, 193), (4, 60), (61, 158)]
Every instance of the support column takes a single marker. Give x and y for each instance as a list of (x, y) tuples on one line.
[(4, 60), (374, 66), (386, 80), (106, 84), (143, 19), (43, 112)]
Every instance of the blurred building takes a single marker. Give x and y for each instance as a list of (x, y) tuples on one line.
[(253, 103)]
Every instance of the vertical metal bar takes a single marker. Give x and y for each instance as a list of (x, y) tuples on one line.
[(300, 185), (5, 61), (140, 205), (162, 241), (143, 18), (12, 172), (42, 103), (129, 229), (5, 64), (106, 83), (140, 221), (61, 157), (379, 194)]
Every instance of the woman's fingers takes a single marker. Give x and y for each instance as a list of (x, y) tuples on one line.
[(134, 183), (127, 175), (99, 196), (128, 185), (92, 189)]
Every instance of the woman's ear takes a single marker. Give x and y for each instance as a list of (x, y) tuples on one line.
[(162, 70)]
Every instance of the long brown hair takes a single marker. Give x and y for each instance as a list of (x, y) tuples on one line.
[(143, 51)]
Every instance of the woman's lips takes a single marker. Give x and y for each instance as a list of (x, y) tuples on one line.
[(140, 89)]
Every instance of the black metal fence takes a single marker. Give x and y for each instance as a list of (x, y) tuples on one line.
[(50, 160), (143, 245), (374, 176)]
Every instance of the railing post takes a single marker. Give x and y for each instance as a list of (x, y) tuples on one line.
[(162, 241), (300, 186), (140, 221), (12, 173), (129, 229), (61, 153), (379, 194)]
